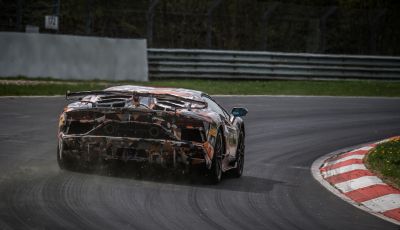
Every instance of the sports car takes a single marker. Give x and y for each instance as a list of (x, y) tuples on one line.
[(171, 127)]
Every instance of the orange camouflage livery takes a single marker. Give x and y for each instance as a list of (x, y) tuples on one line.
[(171, 127)]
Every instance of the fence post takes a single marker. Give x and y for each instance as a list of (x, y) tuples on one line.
[(150, 22), (56, 11), (374, 30), (19, 15), (210, 22), (88, 25), (265, 18), (322, 27)]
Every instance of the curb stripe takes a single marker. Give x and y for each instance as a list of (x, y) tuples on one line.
[(348, 176), (343, 169), (394, 213), (328, 163), (341, 164), (355, 152), (358, 183), (371, 192), (383, 203), (343, 172)]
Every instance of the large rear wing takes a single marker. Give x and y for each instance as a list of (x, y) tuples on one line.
[(78, 96)]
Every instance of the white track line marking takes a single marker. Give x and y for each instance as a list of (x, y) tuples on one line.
[(383, 203), (358, 183), (329, 163), (343, 169)]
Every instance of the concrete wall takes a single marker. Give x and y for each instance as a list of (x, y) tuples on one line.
[(72, 57)]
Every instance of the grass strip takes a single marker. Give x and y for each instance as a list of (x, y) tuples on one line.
[(384, 160), (233, 87)]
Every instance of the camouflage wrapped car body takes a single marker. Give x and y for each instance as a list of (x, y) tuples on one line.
[(166, 126)]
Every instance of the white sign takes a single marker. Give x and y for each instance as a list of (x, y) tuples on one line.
[(51, 22)]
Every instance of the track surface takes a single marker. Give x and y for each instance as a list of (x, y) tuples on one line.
[(284, 136)]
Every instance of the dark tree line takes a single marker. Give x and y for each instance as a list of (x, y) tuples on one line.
[(330, 26)]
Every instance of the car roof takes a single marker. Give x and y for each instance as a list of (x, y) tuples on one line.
[(180, 92)]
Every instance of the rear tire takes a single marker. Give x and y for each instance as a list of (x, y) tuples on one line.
[(216, 165), (238, 171), (63, 161), (60, 159)]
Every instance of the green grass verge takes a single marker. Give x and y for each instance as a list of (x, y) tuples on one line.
[(245, 87), (385, 161)]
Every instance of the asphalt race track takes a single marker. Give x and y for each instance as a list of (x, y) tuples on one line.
[(284, 135)]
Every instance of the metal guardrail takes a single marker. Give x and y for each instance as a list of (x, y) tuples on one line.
[(177, 63)]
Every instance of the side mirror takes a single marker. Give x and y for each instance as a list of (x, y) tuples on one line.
[(239, 112)]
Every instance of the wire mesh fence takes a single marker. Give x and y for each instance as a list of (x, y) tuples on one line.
[(332, 26)]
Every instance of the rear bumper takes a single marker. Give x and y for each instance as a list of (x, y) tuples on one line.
[(167, 153)]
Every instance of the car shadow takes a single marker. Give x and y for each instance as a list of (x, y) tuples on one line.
[(248, 184)]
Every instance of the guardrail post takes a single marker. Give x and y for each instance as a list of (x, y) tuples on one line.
[(150, 22), (209, 22), (267, 14)]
